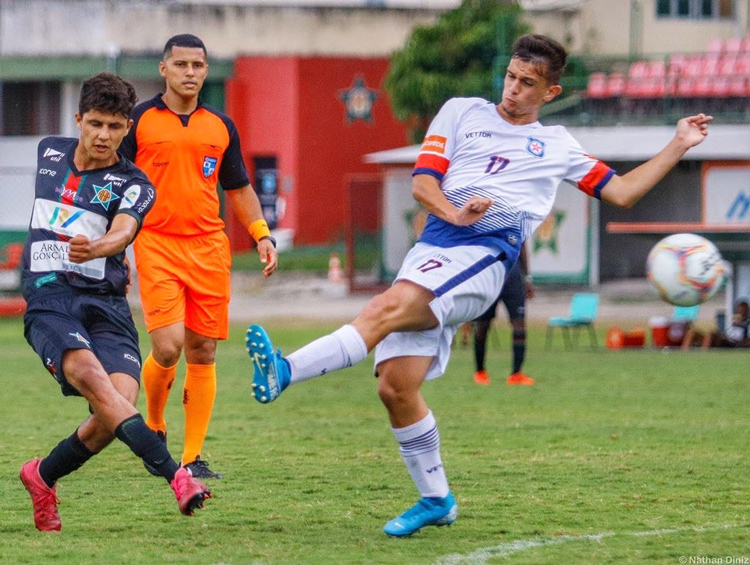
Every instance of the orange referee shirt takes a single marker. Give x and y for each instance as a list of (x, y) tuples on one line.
[(185, 157)]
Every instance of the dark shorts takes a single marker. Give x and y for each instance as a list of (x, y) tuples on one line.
[(102, 324), (513, 296)]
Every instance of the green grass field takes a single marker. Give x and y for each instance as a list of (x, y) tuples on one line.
[(614, 457)]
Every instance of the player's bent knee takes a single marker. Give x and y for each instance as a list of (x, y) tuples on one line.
[(89, 379), (166, 354), (391, 393)]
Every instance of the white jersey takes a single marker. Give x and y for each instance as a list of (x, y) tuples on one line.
[(473, 151)]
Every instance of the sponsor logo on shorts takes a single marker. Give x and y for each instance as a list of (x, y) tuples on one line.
[(80, 338), (47, 172), (132, 358), (512, 239), (435, 143), (51, 366)]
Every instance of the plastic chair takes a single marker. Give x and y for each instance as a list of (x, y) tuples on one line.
[(583, 309)]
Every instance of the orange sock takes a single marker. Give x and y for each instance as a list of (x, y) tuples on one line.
[(157, 381), (198, 401)]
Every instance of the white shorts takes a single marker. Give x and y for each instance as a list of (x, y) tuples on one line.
[(466, 280)]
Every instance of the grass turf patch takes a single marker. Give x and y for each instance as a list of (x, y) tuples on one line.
[(607, 442)]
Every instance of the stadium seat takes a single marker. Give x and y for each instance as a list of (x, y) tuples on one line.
[(615, 84), (583, 309), (597, 87), (733, 45), (716, 45), (726, 66)]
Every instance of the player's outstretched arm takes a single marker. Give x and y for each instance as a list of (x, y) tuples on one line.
[(246, 206), (120, 234), (426, 190), (624, 191)]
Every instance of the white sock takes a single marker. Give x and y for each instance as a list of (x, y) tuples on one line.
[(420, 450), (343, 348)]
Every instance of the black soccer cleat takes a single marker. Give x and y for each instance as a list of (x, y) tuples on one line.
[(200, 470)]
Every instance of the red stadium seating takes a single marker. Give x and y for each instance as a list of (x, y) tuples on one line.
[(615, 84), (718, 80), (597, 87)]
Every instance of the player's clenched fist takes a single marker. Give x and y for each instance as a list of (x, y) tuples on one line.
[(472, 211), (81, 249)]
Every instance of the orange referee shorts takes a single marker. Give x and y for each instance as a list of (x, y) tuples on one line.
[(185, 279)]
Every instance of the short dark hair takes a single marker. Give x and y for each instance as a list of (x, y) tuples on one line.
[(542, 50), (107, 93), (183, 40)]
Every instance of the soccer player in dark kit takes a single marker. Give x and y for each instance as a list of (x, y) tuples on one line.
[(89, 205)]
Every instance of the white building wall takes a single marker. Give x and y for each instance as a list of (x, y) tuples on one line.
[(96, 27), (604, 27)]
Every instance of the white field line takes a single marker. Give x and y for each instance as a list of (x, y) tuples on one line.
[(504, 549)]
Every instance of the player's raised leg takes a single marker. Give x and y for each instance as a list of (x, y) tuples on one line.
[(403, 307), (414, 426)]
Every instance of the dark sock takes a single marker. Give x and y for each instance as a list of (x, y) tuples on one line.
[(480, 344), (67, 456), (144, 442), (519, 350)]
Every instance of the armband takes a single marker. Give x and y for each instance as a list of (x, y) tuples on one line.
[(258, 230)]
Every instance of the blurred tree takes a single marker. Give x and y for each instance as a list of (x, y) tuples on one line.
[(454, 57)]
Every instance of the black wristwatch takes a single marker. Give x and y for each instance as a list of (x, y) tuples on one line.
[(273, 239)]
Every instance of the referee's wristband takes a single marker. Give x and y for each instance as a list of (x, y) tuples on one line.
[(258, 230)]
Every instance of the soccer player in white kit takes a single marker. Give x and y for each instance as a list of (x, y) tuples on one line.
[(487, 174)]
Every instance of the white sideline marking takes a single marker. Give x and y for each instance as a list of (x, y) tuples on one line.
[(481, 555)]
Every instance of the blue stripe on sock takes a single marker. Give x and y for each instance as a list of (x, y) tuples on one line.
[(466, 274)]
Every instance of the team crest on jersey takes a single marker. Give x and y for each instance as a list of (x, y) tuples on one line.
[(104, 195), (535, 147), (209, 166)]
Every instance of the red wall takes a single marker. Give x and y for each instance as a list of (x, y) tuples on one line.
[(262, 99), (292, 107)]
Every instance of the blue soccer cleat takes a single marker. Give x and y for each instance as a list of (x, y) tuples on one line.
[(271, 369), (429, 511)]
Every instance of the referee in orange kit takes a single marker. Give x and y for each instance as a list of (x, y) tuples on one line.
[(182, 253)]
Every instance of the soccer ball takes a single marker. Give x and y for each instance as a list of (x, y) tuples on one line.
[(685, 268)]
